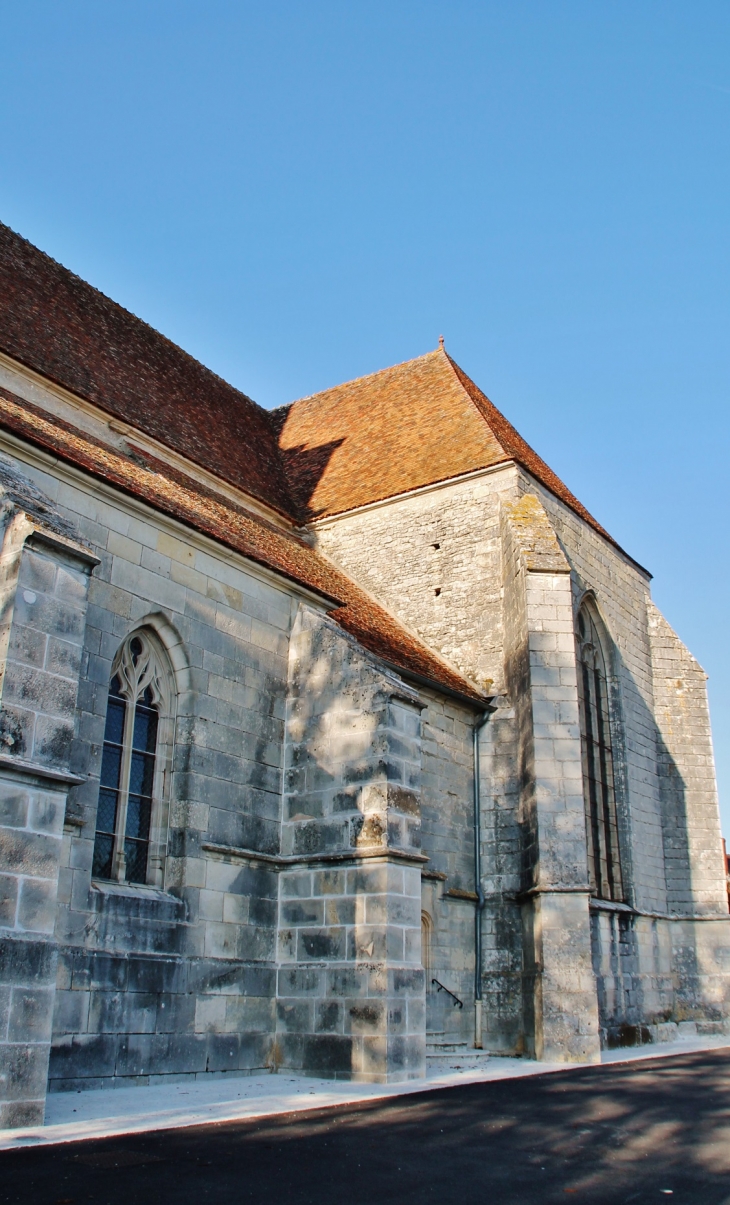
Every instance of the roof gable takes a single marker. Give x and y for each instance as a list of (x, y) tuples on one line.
[(61, 327)]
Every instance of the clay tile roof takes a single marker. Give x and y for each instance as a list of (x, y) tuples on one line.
[(418, 423), (174, 493), (61, 327)]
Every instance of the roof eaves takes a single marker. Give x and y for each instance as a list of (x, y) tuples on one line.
[(322, 520), (475, 701)]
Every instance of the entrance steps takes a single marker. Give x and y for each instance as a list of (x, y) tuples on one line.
[(445, 1055)]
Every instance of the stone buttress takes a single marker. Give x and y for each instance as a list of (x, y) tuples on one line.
[(559, 993), (44, 575), (351, 984)]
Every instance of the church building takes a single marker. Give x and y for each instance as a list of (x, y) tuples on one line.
[(332, 738)]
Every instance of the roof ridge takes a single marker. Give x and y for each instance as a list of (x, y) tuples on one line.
[(76, 336), (368, 376), (482, 403)]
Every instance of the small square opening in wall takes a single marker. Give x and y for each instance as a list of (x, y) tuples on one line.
[(437, 591), (436, 546)]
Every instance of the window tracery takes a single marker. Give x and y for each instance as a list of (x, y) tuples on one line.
[(128, 820)]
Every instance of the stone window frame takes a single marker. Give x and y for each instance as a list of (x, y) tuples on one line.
[(605, 822), (151, 669)]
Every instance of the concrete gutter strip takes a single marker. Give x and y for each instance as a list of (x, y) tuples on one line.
[(106, 1113)]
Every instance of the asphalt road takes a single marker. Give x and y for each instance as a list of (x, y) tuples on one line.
[(655, 1131)]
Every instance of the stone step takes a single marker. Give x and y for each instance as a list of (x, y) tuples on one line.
[(465, 1058), (446, 1047)]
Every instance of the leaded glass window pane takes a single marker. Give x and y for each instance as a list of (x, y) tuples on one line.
[(141, 779), (126, 790), (111, 764)]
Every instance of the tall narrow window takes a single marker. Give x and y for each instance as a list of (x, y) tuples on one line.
[(604, 865), (138, 696), (426, 931)]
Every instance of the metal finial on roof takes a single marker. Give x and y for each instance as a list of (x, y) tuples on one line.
[(441, 342)]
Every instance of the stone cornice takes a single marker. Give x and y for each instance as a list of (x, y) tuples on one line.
[(16, 767), (291, 861)]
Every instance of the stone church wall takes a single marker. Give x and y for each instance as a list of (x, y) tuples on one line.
[(692, 856), (185, 976), (502, 839), (653, 972), (696, 881), (450, 534), (154, 982), (466, 624), (320, 845), (621, 591)]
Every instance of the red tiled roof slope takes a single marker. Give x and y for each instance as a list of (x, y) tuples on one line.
[(61, 327), (382, 435), (175, 494), (418, 423)]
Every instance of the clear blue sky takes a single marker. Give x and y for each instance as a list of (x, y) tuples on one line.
[(300, 193)]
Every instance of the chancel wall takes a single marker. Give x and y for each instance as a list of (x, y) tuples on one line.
[(651, 970), (661, 960)]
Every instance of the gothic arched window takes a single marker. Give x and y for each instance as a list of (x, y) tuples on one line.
[(604, 864), (128, 823)]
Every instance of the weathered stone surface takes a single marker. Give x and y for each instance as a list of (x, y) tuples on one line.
[(449, 581), (43, 585), (353, 734), (312, 889)]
